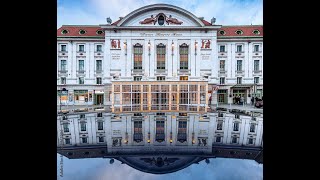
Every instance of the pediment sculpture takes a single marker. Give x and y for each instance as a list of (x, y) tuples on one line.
[(168, 20)]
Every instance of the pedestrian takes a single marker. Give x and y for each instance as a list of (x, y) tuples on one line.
[(242, 100), (210, 100), (252, 100)]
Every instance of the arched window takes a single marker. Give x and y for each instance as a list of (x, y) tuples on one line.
[(161, 56), (137, 56), (184, 54)]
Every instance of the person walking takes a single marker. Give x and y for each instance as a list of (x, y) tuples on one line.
[(242, 100), (252, 100)]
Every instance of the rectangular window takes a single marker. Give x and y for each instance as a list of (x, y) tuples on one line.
[(63, 65), (160, 136), (81, 65), (81, 48), (183, 78), (218, 139), (239, 48), (239, 65), (67, 141), (161, 78), (101, 139), (100, 125), (99, 80), (137, 78), (222, 65), (235, 126), (222, 80), (161, 56), (252, 127), (182, 127), (219, 125), (65, 127), (99, 48), (81, 80), (137, 56), (63, 80), (84, 140), (82, 116), (137, 127), (83, 126), (256, 80), (99, 65), (250, 141), (256, 65), (63, 48), (182, 131), (99, 114), (234, 140), (184, 54), (239, 80), (256, 48), (222, 48)]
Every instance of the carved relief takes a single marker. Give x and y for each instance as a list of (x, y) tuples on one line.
[(115, 44), (171, 20), (168, 20), (149, 20), (205, 44)]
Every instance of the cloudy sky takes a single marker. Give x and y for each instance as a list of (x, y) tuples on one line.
[(217, 169), (95, 12)]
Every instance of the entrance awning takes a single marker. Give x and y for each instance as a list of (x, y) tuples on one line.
[(242, 86)]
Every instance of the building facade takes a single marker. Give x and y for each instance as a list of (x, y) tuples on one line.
[(156, 56), (160, 142)]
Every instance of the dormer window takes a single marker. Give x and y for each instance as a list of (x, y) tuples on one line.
[(82, 31), (256, 32), (64, 31), (222, 32), (161, 20), (99, 32), (239, 32)]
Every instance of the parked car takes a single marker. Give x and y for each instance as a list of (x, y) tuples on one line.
[(259, 103)]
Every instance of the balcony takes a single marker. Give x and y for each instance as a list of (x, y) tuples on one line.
[(184, 71), (239, 72), (137, 71), (63, 71), (160, 71), (160, 137), (182, 137), (222, 72), (81, 71), (98, 71), (138, 137), (63, 53), (257, 72)]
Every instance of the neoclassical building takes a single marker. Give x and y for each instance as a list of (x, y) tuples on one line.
[(160, 142), (159, 57)]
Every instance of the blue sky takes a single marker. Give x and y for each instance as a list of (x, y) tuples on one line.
[(217, 169), (95, 12)]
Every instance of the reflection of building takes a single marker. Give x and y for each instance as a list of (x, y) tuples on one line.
[(159, 46), (160, 138)]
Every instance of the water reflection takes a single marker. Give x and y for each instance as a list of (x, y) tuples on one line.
[(160, 143)]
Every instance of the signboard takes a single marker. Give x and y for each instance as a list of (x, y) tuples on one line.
[(115, 56)]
